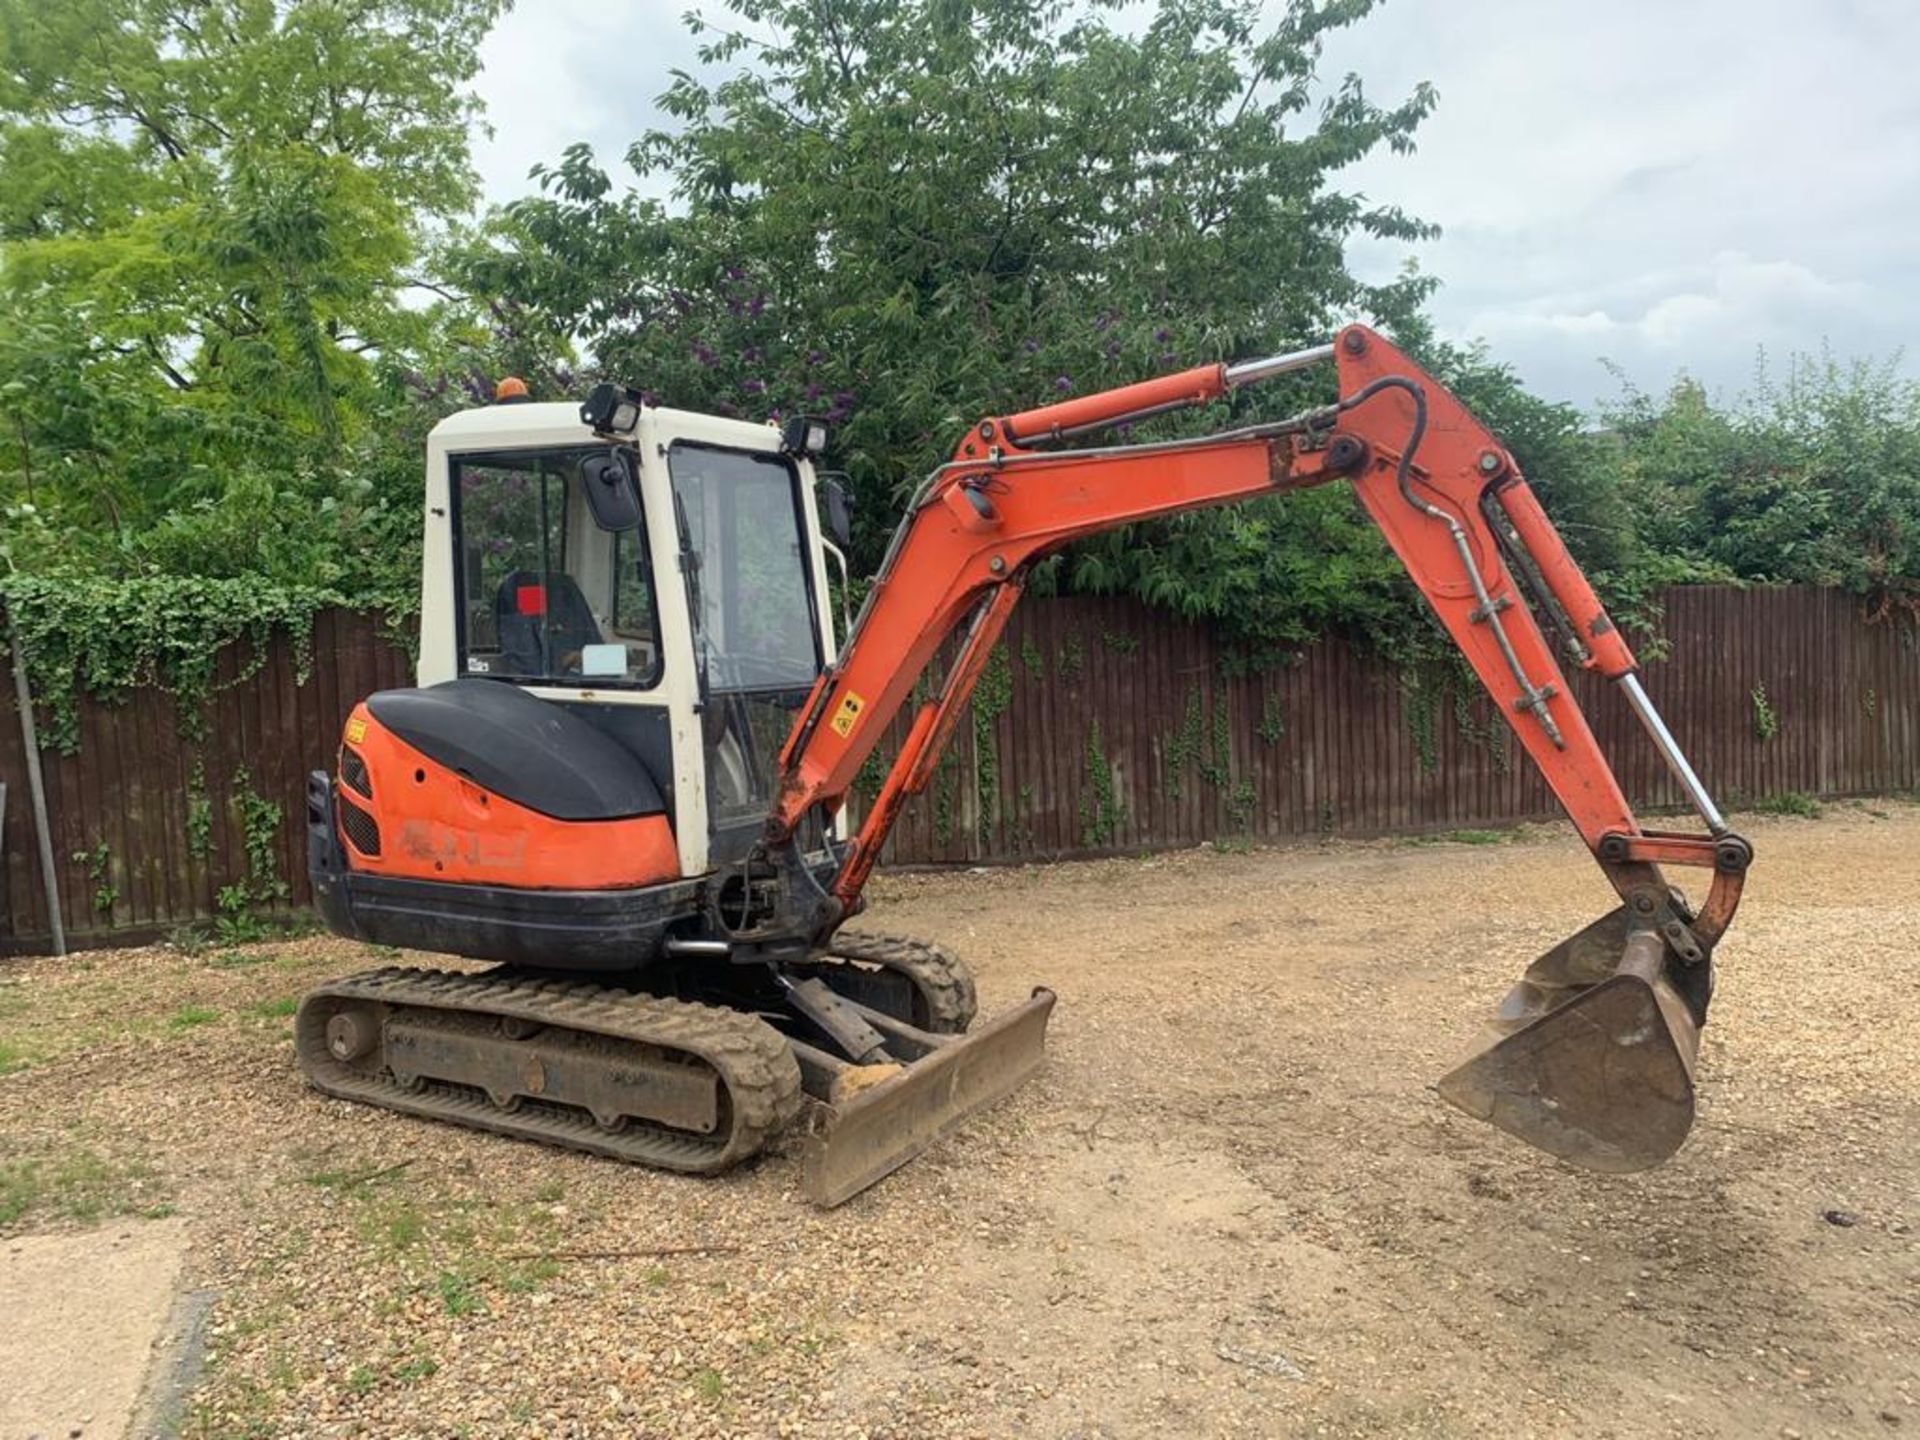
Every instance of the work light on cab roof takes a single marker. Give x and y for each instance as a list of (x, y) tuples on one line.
[(611, 409)]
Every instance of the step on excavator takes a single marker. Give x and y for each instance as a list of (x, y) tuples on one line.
[(621, 780)]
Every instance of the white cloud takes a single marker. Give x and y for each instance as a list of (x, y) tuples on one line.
[(555, 72), (1664, 185)]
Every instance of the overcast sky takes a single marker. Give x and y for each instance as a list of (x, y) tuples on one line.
[(1665, 184)]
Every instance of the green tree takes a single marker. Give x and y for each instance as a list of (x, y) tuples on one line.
[(211, 210), (904, 214), (1814, 479)]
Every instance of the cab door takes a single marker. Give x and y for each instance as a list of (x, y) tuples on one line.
[(756, 614)]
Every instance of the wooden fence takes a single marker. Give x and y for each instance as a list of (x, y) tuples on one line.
[(1100, 727)]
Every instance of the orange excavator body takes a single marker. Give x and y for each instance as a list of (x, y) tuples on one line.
[(482, 816), (443, 826)]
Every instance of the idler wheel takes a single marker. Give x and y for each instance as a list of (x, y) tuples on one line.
[(351, 1034)]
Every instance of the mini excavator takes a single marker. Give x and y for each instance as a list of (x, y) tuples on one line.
[(623, 774)]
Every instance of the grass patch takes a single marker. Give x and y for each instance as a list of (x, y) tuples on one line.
[(12, 1058), (362, 1378), (191, 1017), (280, 1009), (1463, 837), (83, 1186), (1790, 802), (404, 1227), (242, 959), (658, 1277), (458, 1295), (528, 1276), (356, 1178), (711, 1384), (414, 1371)]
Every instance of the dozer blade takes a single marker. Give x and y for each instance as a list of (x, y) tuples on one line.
[(878, 1129), (1602, 1079)]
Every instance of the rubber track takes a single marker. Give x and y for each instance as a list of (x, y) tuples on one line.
[(758, 1071), (942, 977)]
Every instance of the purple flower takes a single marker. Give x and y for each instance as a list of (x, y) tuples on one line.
[(704, 354), (1063, 383), (734, 307), (756, 305), (755, 387), (751, 354), (1163, 335), (816, 357), (1113, 348), (733, 272), (813, 393), (1032, 347)]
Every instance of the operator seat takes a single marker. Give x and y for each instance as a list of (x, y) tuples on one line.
[(525, 605)]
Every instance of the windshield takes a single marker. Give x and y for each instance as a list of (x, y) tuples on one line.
[(546, 594), (750, 583)]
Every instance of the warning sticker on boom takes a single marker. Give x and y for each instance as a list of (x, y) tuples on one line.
[(847, 715)]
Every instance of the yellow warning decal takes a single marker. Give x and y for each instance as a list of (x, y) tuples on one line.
[(848, 715), (356, 730)]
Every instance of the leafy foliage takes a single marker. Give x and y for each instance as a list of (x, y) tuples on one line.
[(1814, 479), (907, 215), (211, 393), (105, 636)]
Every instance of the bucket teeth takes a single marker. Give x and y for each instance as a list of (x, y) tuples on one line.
[(1596, 1066)]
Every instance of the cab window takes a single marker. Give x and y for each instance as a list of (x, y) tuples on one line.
[(546, 595), (754, 621)]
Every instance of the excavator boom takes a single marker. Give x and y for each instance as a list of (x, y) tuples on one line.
[(1598, 1065)]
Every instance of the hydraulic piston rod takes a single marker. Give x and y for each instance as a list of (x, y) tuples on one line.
[(1670, 752), (1249, 372)]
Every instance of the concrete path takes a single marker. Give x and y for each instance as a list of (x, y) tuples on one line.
[(80, 1316)]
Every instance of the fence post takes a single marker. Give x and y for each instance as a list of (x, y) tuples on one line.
[(37, 785)]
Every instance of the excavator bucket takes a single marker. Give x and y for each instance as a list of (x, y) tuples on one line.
[(870, 1130), (1597, 1067)]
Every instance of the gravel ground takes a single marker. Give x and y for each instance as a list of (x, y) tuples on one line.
[(1228, 1207)]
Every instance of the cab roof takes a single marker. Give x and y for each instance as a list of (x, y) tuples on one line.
[(514, 425)]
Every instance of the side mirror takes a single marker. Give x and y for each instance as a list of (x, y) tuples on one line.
[(836, 513), (613, 488)]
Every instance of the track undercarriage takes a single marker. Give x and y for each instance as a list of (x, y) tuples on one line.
[(692, 1069)]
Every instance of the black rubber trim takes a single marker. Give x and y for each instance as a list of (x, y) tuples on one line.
[(534, 752)]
